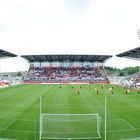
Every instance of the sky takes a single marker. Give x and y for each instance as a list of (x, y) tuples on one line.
[(94, 27)]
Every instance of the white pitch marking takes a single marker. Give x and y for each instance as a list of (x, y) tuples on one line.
[(129, 124), (9, 124)]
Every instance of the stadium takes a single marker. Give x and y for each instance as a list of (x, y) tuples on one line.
[(69, 97)]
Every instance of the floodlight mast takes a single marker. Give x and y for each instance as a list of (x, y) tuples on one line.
[(138, 32)]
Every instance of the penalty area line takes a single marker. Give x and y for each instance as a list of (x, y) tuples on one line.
[(9, 124), (129, 124)]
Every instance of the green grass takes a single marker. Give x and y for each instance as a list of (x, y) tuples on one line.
[(19, 112)]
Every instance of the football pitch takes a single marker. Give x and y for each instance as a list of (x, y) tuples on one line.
[(20, 112)]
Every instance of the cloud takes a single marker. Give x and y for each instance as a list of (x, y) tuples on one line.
[(78, 7), (69, 26)]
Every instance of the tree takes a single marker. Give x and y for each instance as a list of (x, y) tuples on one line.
[(121, 72), (19, 74)]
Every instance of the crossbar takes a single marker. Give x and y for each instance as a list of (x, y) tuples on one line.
[(96, 114)]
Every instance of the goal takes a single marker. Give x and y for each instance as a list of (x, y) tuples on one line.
[(69, 126)]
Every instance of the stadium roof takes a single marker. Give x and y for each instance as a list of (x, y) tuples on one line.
[(4, 54), (134, 53), (71, 58)]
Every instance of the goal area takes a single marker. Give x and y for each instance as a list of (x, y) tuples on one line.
[(69, 126)]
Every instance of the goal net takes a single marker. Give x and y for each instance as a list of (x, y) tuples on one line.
[(69, 126)]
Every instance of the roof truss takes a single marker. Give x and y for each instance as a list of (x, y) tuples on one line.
[(70, 58)]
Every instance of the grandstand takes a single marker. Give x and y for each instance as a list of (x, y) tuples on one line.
[(133, 80), (5, 54), (131, 54), (66, 69)]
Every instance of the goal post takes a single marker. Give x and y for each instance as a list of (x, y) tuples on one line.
[(41, 127), (70, 126), (40, 119)]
